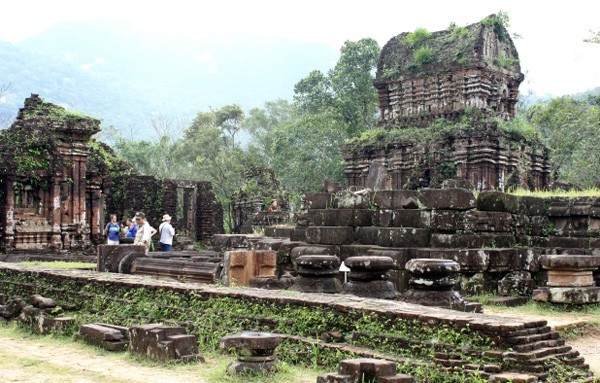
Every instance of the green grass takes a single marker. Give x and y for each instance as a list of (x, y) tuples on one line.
[(61, 265), (214, 370), (591, 192)]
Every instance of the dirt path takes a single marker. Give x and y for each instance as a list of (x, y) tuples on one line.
[(35, 361), (589, 348)]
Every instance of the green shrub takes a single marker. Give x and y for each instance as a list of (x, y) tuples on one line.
[(416, 38), (423, 55)]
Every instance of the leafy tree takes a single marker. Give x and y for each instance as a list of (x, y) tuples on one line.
[(229, 119), (571, 130), (263, 126), (306, 151), (346, 92)]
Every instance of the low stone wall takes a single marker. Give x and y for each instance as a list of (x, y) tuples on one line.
[(492, 234), (410, 335)]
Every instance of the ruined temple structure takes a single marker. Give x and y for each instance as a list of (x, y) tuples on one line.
[(58, 184), (43, 178), (250, 204), (443, 98)]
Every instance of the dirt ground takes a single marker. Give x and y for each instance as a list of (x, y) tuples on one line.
[(38, 360), (35, 361)]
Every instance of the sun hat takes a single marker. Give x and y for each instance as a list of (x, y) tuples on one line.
[(166, 217)]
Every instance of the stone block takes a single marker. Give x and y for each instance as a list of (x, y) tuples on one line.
[(313, 249), (571, 262), (377, 177), (568, 242), (570, 278), (242, 265), (486, 221), (118, 259), (571, 295), (533, 206), (109, 337), (383, 217), (41, 302), (406, 199), (269, 282), (411, 218), (362, 217), (398, 256), (446, 199), (516, 283), (403, 237), (347, 251), (55, 325), (497, 201), (384, 199), (443, 221), (299, 234), (511, 377), (338, 217), (221, 242), (528, 259), (318, 200), (329, 235), (160, 342), (501, 260), (469, 240), (470, 260), (367, 369), (366, 235), (278, 232), (507, 301)]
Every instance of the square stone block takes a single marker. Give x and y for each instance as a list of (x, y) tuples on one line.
[(330, 235), (446, 199)]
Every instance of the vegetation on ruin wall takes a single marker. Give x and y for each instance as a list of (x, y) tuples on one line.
[(420, 52), (29, 148), (104, 162), (216, 317), (470, 123), (29, 153)]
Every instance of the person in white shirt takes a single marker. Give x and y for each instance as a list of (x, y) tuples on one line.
[(145, 231), (166, 232)]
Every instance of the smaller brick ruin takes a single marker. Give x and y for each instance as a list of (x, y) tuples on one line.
[(58, 185), (43, 178), (445, 111)]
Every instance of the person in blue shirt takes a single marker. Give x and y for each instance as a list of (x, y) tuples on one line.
[(112, 231), (132, 229)]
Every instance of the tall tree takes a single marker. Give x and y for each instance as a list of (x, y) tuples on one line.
[(346, 92), (571, 129)]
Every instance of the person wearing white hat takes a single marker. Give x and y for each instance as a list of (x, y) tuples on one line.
[(167, 232)]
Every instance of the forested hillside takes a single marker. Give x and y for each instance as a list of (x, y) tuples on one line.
[(103, 71)]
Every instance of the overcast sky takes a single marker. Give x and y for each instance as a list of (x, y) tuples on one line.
[(553, 56)]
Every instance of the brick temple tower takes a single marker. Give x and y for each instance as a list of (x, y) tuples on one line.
[(445, 96)]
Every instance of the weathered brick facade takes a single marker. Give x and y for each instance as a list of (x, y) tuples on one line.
[(58, 185), (453, 103)]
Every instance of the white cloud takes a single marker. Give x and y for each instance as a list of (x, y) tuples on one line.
[(550, 49), (205, 57)]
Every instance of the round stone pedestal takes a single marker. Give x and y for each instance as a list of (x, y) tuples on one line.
[(432, 284), (272, 282), (368, 277), (256, 352), (317, 274), (570, 279)]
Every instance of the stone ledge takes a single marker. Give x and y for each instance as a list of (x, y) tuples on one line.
[(402, 310)]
